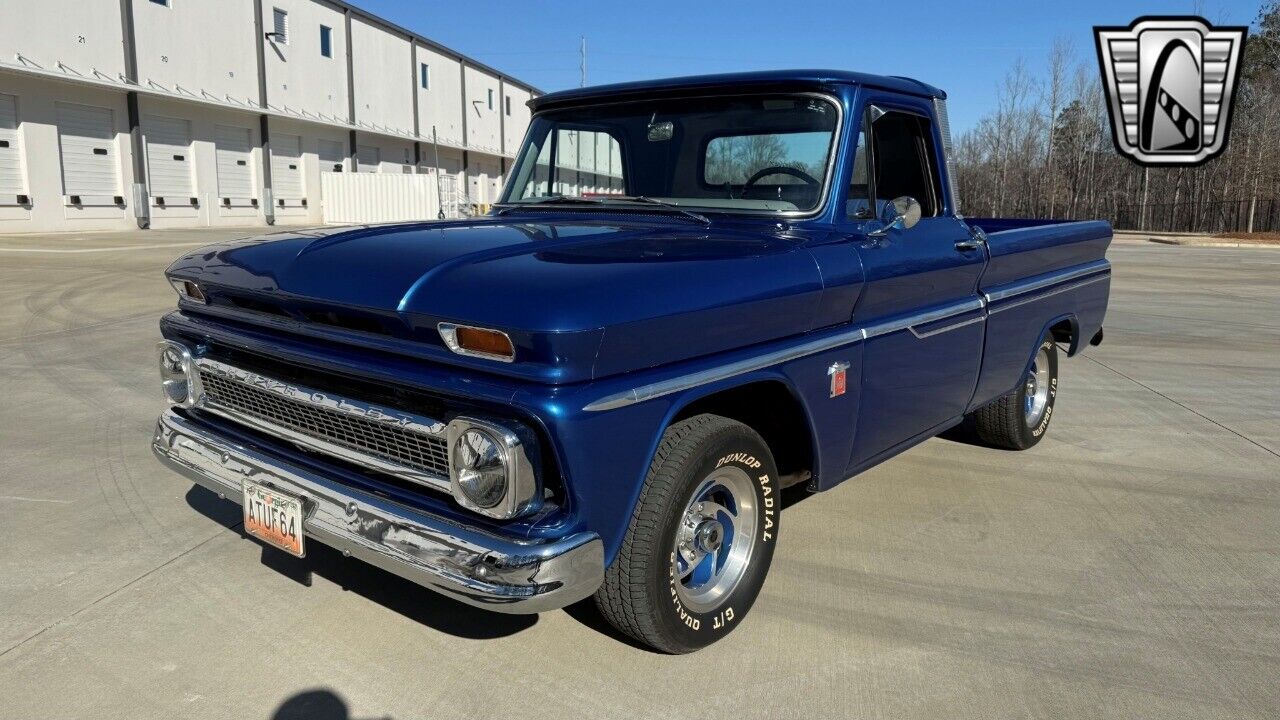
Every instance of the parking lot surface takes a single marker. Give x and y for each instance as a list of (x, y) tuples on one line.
[(1128, 566)]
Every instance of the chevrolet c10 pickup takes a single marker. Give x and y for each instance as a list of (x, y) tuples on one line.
[(693, 294)]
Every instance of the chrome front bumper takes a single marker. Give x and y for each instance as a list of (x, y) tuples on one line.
[(478, 568)]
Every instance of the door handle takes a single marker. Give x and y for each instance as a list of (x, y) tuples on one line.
[(967, 245)]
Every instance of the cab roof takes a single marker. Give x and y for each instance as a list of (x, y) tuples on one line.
[(769, 80)]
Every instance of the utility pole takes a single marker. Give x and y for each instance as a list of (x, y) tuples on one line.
[(582, 64)]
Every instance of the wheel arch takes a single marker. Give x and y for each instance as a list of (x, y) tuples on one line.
[(769, 405), (1064, 329)]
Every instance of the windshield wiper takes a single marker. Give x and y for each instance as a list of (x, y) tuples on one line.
[(548, 200), (603, 201), (663, 203)]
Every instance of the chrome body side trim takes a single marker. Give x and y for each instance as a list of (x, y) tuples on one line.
[(692, 380), (930, 333), (1100, 268), (924, 318), (400, 420), (847, 337), (1051, 293), (1021, 287), (478, 568)]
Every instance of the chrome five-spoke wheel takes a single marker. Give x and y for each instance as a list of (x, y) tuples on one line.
[(715, 538), (1036, 394)]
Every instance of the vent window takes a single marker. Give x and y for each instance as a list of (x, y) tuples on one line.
[(424, 76)]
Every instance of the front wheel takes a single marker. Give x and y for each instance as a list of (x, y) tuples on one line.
[(1020, 418), (700, 539)]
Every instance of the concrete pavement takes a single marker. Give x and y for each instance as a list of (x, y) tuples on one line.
[(1126, 567)]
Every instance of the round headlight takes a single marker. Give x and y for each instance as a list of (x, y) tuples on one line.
[(173, 374), (481, 467), (171, 361)]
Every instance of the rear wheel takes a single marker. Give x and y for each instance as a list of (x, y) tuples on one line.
[(1020, 418), (700, 540)]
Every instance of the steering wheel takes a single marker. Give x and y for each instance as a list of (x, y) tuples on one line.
[(780, 170)]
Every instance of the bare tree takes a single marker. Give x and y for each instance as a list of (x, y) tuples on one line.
[(1059, 66), (1045, 150)]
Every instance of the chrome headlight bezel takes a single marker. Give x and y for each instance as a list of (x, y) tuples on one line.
[(523, 492), (179, 380)]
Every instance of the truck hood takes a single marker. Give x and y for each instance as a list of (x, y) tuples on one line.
[(581, 297)]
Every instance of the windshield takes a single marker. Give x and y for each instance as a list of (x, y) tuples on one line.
[(762, 154)]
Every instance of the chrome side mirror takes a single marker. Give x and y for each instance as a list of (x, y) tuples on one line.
[(902, 213)]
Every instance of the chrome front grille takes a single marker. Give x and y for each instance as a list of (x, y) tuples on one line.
[(385, 439)]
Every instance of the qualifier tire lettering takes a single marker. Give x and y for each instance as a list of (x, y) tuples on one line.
[(686, 617)]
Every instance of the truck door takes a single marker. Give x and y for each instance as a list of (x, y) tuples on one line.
[(920, 306)]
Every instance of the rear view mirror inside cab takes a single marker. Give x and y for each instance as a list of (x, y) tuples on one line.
[(661, 131)]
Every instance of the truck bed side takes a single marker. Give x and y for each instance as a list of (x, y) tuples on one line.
[(1042, 274)]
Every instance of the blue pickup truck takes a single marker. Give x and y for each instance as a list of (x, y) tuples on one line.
[(693, 294)]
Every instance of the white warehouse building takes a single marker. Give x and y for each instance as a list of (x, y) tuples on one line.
[(118, 114)]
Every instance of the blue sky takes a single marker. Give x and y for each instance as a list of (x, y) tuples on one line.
[(963, 47)]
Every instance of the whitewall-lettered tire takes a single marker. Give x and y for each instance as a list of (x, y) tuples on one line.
[(1020, 418), (700, 540)]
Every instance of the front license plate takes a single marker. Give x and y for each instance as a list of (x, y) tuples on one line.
[(273, 517)]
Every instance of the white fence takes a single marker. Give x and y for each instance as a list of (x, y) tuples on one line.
[(383, 197)]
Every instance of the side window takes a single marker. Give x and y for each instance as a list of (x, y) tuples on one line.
[(903, 155)]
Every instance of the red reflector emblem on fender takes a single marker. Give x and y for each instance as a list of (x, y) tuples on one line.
[(839, 373)]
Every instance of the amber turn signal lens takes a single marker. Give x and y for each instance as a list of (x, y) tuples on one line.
[(488, 342), (189, 290), (193, 291)]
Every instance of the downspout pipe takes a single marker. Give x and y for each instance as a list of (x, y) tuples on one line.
[(264, 132), (140, 194)]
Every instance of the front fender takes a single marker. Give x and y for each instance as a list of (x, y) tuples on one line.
[(606, 453)]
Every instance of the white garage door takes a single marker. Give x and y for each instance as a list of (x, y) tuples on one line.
[(87, 139), (11, 184), (169, 164), (233, 149), (369, 158), (476, 184), (286, 167), (493, 181), (332, 158)]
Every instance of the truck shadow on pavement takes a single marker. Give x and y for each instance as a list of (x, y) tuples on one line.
[(399, 595), (317, 704), (390, 591)]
